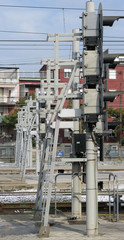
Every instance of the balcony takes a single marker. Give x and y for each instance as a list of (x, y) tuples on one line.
[(35, 75), (8, 100), (9, 75), (29, 75)]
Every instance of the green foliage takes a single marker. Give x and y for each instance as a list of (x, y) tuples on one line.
[(32, 95), (117, 116), (69, 104), (21, 103), (11, 119)]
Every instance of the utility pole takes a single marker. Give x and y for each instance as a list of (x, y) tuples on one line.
[(120, 122), (91, 72), (37, 134), (94, 97), (76, 166)]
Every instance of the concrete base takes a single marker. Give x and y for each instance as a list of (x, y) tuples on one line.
[(21, 227), (44, 231)]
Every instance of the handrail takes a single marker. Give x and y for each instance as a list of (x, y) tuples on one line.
[(115, 197), (69, 174)]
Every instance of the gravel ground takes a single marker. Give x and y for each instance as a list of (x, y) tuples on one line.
[(22, 227)]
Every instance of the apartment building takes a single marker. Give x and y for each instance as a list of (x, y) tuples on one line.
[(9, 95), (28, 82)]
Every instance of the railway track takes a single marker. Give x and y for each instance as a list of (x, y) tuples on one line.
[(24, 201), (65, 191)]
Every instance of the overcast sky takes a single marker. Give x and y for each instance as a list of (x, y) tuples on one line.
[(44, 20)]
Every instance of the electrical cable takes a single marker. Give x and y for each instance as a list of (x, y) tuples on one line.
[(38, 7), (31, 49), (56, 8), (22, 40), (32, 45), (113, 41), (13, 64), (43, 40), (7, 31)]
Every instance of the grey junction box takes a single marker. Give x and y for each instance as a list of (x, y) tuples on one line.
[(91, 101), (91, 63)]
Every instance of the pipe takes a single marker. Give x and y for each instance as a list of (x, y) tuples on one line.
[(116, 207), (64, 174), (110, 175), (90, 6), (91, 187)]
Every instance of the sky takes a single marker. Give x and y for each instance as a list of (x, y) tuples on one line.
[(35, 23)]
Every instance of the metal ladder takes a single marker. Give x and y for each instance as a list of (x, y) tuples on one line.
[(43, 198), (42, 204), (41, 190), (25, 147)]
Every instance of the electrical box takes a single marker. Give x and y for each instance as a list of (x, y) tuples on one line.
[(80, 144), (43, 128), (42, 104), (90, 24), (90, 63), (91, 101), (43, 115)]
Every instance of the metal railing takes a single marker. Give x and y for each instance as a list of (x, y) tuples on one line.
[(113, 193), (65, 174), (40, 75)]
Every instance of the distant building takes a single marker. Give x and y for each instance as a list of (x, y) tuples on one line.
[(28, 82), (9, 93)]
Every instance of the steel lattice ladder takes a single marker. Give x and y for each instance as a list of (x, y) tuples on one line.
[(44, 191), (42, 204)]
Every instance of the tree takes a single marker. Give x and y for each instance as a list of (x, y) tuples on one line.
[(118, 116), (11, 119)]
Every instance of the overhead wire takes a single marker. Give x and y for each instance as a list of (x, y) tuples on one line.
[(8, 31), (32, 49), (39, 7), (43, 33), (22, 40), (56, 8), (43, 40), (14, 64)]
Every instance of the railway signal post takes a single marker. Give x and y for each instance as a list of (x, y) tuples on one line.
[(93, 101)]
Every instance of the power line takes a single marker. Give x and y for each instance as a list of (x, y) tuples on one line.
[(43, 33), (112, 45), (112, 37), (36, 40), (33, 45), (113, 40), (21, 40), (14, 64), (6, 31), (39, 7), (56, 8), (30, 49)]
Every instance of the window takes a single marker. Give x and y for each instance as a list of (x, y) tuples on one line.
[(121, 59), (67, 149), (81, 73), (67, 73), (3, 152), (11, 152), (1, 94), (112, 90), (112, 74), (66, 133), (1, 130)]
